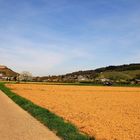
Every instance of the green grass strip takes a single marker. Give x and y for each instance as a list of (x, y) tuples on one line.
[(63, 129)]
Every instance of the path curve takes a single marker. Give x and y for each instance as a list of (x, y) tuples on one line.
[(17, 124)]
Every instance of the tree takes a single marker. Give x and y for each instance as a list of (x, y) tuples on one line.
[(25, 76), (137, 76)]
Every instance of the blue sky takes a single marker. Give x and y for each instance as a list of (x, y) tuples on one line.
[(49, 37)]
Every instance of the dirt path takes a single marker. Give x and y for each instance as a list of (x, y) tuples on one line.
[(16, 124)]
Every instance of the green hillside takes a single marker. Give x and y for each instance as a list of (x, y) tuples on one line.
[(126, 73), (117, 75)]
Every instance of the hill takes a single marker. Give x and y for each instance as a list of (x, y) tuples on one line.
[(7, 72), (120, 68), (115, 73)]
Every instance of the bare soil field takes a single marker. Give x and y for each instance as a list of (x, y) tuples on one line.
[(107, 113)]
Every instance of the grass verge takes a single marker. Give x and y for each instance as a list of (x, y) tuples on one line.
[(63, 129)]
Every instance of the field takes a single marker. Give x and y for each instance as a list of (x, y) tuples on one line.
[(108, 113)]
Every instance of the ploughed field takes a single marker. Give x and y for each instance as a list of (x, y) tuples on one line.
[(107, 113)]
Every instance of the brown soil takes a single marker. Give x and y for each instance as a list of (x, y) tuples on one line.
[(108, 113)]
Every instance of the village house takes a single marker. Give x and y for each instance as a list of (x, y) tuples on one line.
[(82, 78), (137, 81), (1, 75)]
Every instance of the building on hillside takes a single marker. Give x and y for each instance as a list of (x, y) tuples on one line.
[(2, 67), (137, 81), (1, 75), (104, 80), (82, 78)]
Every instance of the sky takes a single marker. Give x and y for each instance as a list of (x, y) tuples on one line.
[(52, 37)]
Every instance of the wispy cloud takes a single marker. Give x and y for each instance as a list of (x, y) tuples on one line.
[(22, 54), (55, 37)]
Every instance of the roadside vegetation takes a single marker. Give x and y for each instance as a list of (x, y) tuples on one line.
[(63, 129)]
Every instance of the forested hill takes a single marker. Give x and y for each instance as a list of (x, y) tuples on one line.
[(116, 73), (128, 67), (120, 68)]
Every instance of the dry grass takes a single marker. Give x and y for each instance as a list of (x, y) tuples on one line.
[(108, 113)]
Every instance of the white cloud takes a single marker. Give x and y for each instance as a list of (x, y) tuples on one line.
[(22, 54)]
